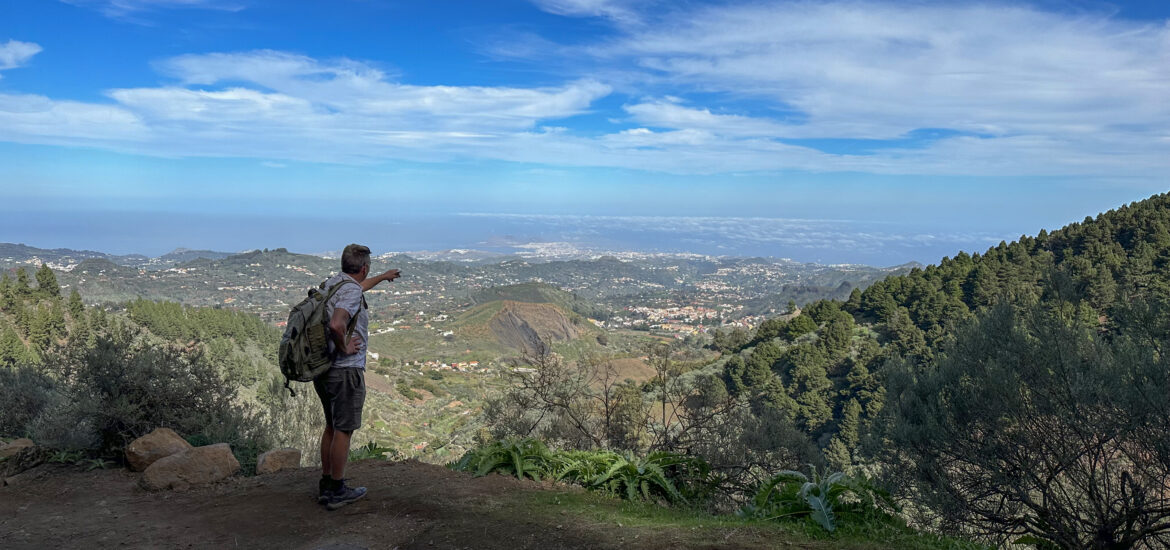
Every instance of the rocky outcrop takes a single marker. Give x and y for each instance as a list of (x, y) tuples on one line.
[(160, 443), (14, 448), (27, 476), (277, 460), (519, 324), (192, 467)]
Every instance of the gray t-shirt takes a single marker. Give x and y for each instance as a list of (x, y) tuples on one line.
[(349, 298)]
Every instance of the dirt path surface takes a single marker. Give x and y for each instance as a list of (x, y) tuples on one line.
[(410, 505)]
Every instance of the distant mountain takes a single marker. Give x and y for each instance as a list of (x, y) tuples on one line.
[(13, 255), (65, 259), (180, 255)]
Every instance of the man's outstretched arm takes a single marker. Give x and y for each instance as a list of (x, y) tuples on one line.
[(371, 282)]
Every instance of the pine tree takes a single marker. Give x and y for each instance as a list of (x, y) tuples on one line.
[(76, 308), (733, 371), (849, 429), (56, 321), (47, 282), (799, 326), (7, 294), (23, 319), (809, 385), (40, 334), (12, 350), (23, 286)]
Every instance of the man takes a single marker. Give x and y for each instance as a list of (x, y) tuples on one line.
[(342, 388)]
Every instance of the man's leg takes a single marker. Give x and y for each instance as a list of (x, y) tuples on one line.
[(347, 417), (327, 451), (339, 453)]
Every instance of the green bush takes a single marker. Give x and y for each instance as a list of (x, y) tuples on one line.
[(24, 394), (130, 385)]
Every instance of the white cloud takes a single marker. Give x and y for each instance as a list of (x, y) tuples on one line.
[(122, 8), (1051, 93), (878, 70), (1021, 91), (617, 10), (15, 53), (285, 106)]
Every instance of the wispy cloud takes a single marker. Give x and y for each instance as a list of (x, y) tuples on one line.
[(621, 11), (15, 53), (123, 8)]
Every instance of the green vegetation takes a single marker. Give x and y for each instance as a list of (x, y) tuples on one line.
[(1014, 395), (660, 475), (937, 379), (828, 500), (845, 508)]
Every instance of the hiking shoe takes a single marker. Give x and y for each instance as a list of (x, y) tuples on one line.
[(344, 495), (322, 490)]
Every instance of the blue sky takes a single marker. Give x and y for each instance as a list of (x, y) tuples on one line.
[(870, 132)]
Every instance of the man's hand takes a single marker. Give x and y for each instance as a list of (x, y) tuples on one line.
[(390, 275), (352, 347)]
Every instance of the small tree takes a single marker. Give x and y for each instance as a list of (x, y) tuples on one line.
[(47, 282)]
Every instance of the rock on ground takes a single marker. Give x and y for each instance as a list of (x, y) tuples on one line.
[(14, 447), (33, 474), (192, 467), (277, 460), (160, 443)]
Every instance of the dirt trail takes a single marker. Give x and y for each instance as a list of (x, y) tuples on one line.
[(410, 505)]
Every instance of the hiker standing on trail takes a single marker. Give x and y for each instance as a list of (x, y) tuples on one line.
[(342, 388)]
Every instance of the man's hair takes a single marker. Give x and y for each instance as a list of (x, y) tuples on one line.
[(354, 258)]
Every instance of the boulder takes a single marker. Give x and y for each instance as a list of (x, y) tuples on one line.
[(277, 460), (13, 448), (162, 442), (26, 476), (194, 466)]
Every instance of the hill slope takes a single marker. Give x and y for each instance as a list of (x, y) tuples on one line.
[(516, 324)]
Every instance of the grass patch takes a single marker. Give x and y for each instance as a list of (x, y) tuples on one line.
[(630, 521)]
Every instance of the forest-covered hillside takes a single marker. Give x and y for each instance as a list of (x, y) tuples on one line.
[(1022, 389)]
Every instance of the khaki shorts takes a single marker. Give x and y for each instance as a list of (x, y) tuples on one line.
[(343, 393)]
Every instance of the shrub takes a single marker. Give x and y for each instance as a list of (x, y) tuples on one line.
[(24, 394), (131, 385)]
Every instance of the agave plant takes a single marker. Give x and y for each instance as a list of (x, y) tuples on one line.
[(632, 477), (528, 457), (372, 450), (822, 498), (580, 466)]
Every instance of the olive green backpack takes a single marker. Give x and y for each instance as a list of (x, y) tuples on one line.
[(304, 348)]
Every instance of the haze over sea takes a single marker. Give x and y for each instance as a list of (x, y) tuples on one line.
[(838, 132)]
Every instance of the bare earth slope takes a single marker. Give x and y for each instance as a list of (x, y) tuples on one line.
[(410, 505)]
